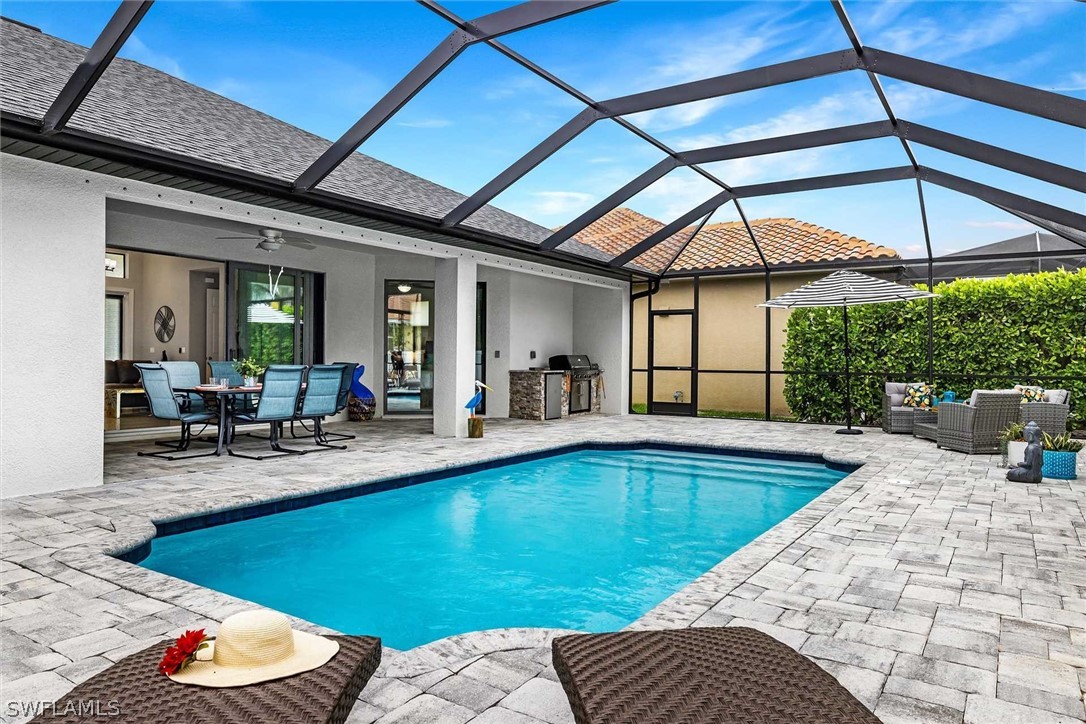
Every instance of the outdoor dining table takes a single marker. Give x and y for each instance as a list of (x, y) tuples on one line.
[(224, 397)]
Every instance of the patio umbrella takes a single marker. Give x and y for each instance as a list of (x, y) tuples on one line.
[(845, 289)]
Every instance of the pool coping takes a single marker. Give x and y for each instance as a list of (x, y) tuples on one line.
[(106, 559)]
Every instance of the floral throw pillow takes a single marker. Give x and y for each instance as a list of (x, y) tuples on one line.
[(918, 394), (1031, 393)]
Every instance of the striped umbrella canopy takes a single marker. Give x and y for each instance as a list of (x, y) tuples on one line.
[(846, 289)]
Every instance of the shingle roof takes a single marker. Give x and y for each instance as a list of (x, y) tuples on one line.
[(727, 245), (143, 106)]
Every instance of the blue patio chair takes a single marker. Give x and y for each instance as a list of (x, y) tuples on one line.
[(184, 373), (165, 406), (278, 404), (225, 369), (322, 393), (341, 402)]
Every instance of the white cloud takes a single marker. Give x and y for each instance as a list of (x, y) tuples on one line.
[(560, 203), (426, 123), (138, 51), (674, 195), (958, 30), (1009, 225)]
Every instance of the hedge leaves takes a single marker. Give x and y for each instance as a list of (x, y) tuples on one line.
[(988, 334)]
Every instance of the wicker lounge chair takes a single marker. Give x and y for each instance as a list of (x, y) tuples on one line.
[(896, 417), (1050, 416), (975, 427), (684, 676), (135, 692)]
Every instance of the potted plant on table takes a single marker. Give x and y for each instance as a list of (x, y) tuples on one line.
[(249, 369), (1012, 444), (1061, 456)]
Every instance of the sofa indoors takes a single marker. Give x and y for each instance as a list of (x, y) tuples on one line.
[(122, 374)]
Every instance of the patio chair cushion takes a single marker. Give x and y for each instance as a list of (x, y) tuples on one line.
[(1031, 393), (141, 694), (696, 676), (918, 394), (1058, 397), (896, 391)]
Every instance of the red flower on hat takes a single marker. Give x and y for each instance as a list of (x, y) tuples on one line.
[(182, 653)]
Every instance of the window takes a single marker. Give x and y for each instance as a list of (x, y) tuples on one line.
[(114, 326)]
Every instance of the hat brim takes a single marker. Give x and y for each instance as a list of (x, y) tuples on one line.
[(310, 652)]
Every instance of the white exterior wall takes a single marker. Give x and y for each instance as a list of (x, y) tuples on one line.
[(601, 330), (54, 233), (541, 314), (454, 344), (52, 330)]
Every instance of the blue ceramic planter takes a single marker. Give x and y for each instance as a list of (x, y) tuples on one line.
[(1059, 465)]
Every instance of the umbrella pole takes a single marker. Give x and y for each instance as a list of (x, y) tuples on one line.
[(847, 429)]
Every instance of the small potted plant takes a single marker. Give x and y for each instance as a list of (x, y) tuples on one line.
[(249, 369), (1012, 444), (1061, 455)]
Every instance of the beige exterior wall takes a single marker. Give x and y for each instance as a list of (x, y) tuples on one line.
[(731, 336)]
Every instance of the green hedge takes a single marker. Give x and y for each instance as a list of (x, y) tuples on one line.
[(1013, 328)]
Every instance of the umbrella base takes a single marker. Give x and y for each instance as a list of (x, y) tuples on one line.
[(849, 431)]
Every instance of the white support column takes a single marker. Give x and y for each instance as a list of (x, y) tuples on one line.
[(454, 344)]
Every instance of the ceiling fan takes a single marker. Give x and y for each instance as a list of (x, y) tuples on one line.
[(272, 240)]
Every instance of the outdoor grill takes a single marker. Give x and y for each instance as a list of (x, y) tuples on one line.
[(582, 374)]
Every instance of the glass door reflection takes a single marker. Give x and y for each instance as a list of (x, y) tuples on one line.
[(409, 347)]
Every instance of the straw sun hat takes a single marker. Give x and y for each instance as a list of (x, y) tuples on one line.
[(256, 646)]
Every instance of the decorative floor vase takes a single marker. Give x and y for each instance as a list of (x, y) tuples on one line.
[(1059, 465), (1016, 452), (475, 427)]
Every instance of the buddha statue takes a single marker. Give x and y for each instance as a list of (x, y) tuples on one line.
[(1029, 470)]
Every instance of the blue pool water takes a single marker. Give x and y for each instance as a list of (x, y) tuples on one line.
[(586, 540)]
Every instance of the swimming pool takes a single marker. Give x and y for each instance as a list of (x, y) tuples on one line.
[(590, 540)]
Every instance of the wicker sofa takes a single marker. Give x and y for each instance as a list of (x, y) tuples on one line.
[(974, 427), (1051, 415)]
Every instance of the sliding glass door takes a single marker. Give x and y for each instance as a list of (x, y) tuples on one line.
[(272, 314)]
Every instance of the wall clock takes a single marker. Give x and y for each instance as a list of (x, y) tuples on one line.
[(165, 324)]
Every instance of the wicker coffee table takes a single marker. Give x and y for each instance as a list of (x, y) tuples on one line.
[(696, 676), (132, 690)]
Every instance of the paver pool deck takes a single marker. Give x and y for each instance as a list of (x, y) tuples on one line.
[(930, 587)]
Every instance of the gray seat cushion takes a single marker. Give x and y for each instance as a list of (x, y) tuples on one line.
[(896, 391), (1057, 396)]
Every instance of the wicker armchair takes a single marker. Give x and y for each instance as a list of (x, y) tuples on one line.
[(975, 427), (896, 417), (1050, 416)]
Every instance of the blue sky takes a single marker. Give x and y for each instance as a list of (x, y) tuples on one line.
[(321, 65)]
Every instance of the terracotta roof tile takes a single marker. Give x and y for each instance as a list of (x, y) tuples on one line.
[(727, 245), (622, 228)]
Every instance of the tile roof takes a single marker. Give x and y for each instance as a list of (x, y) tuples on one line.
[(140, 105), (727, 245)]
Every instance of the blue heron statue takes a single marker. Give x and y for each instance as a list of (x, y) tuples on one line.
[(474, 401)]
